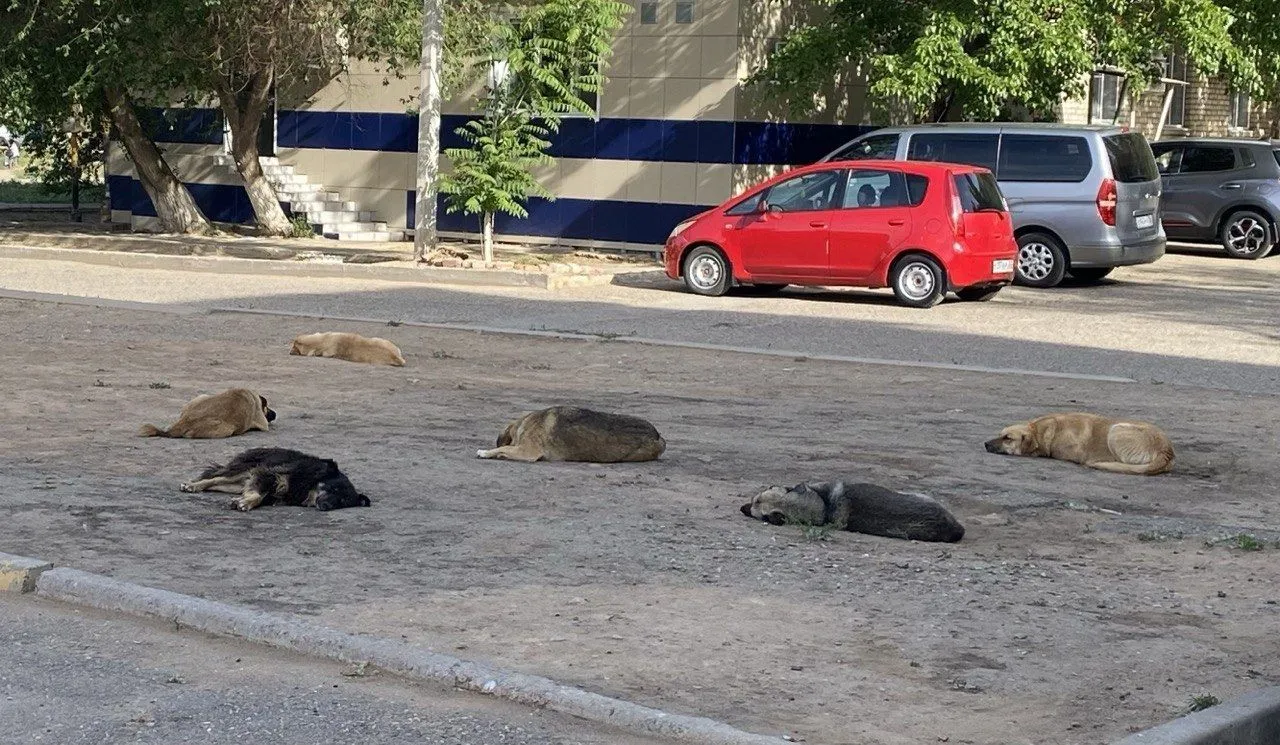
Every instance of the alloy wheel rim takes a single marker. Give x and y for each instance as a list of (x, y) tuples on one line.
[(705, 272), (1247, 235), (916, 281), (1035, 261)]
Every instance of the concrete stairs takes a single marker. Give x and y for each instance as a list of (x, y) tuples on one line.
[(329, 215)]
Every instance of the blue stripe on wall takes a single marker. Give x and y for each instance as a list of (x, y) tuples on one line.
[(191, 126), (582, 219), (668, 141)]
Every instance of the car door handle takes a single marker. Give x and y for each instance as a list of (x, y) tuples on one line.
[(897, 221), (1231, 186), (817, 224)]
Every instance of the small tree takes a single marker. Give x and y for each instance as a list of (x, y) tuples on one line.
[(542, 64)]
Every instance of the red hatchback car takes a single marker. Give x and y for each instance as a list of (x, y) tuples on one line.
[(922, 228)]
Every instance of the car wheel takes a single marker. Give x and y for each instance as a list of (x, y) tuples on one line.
[(977, 294), (1091, 274), (1042, 261), (918, 281), (1246, 235), (706, 272)]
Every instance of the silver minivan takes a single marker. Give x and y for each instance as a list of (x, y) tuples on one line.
[(1084, 199)]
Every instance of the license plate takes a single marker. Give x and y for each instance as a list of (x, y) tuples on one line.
[(1001, 266), (1145, 221)]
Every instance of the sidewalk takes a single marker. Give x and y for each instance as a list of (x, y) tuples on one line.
[(454, 262)]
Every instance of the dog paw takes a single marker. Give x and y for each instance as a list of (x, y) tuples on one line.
[(482, 453), (186, 487)]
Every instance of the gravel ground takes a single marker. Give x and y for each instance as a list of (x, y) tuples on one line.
[(75, 677), (1200, 320), (1073, 611)]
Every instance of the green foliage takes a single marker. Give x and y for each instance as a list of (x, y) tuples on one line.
[(956, 59), (552, 53), (1202, 702), (300, 227), (494, 173)]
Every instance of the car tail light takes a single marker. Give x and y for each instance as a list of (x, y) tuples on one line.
[(957, 209), (1107, 201)]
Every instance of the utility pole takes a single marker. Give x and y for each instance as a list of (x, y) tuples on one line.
[(424, 228)]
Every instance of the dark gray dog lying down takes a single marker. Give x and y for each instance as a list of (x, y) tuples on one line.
[(861, 508)]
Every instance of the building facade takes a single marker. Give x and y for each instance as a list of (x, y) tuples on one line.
[(676, 130)]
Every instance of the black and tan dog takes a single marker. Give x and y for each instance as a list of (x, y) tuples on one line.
[(264, 476), (341, 345), (1112, 445), (861, 508), (573, 434), (225, 414)]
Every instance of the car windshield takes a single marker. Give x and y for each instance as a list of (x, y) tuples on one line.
[(1131, 158), (979, 192)]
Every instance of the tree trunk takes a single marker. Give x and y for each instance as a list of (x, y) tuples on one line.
[(486, 236), (424, 229), (176, 210), (244, 109)]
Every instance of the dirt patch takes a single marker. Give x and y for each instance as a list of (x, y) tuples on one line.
[(1053, 621)]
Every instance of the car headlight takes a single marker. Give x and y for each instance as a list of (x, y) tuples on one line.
[(677, 230)]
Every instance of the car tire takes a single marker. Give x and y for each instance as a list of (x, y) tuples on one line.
[(1041, 262), (1091, 274), (1246, 235), (977, 294), (706, 272), (918, 281)]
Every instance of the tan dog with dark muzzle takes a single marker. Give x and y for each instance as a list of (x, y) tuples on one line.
[(341, 345), (1090, 440), (225, 414), (574, 434)]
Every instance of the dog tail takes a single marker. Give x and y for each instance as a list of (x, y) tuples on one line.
[(151, 430), (1162, 462)]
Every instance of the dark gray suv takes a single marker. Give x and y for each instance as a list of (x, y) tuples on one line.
[(1226, 191)]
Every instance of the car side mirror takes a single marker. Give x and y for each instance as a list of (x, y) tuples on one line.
[(762, 207)]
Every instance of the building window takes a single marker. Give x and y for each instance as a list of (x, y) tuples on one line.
[(1104, 96), (649, 13), (684, 11), (1240, 105), (1175, 68)]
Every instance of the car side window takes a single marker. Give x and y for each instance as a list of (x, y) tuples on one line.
[(872, 147), (746, 206), (1166, 158), (1048, 158), (809, 192), (1246, 158), (1207, 158), (969, 148), (867, 188)]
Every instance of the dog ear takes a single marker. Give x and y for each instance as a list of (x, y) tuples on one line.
[(775, 518), (746, 509), (331, 465)]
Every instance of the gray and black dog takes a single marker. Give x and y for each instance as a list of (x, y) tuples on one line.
[(280, 476), (861, 508)]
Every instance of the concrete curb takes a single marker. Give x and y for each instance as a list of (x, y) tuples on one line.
[(97, 591), (19, 574), (263, 266), (1251, 719)]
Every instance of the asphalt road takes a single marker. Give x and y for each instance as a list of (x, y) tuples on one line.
[(79, 677), (1193, 319)]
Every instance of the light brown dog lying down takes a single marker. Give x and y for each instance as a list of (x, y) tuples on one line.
[(229, 413), (1091, 440), (351, 347), (571, 433)]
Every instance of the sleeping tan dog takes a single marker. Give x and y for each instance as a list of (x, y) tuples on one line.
[(351, 347), (570, 433), (1090, 440), (229, 413)]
